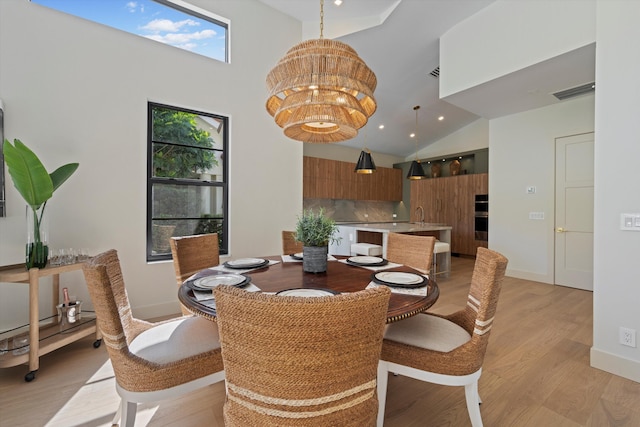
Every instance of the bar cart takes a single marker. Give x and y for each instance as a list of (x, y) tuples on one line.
[(44, 335)]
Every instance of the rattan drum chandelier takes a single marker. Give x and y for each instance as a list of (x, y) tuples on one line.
[(321, 91)]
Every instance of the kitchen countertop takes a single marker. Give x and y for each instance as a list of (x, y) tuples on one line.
[(348, 232), (396, 227)]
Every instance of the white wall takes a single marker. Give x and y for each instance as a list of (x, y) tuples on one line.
[(74, 90), (474, 136), (522, 154), (508, 36), (617, 186)]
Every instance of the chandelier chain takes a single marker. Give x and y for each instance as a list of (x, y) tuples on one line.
[(321, 18)]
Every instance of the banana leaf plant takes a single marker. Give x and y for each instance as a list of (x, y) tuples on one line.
[(36, 186)]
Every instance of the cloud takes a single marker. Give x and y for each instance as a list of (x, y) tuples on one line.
[(183, 40), (166, 25), (132, 5), (176, 33), (188, 46)]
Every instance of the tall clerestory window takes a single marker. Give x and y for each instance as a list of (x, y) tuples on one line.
[(187, 177), (172, 22)]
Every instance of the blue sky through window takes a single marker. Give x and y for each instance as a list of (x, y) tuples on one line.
[(152, 20)]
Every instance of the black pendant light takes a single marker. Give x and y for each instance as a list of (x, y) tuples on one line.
[(365, 164), (415, 170)]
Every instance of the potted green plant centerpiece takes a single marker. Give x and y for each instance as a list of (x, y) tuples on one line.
[(36, 186), (315, 231)]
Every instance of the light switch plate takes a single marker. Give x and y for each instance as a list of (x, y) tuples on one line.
[(630, 221)]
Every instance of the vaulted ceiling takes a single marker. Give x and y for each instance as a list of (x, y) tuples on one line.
[(399, 41)]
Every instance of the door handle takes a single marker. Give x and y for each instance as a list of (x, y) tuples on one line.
[(560, 230)]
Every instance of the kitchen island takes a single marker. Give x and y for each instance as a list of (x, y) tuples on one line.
[(349, 234)]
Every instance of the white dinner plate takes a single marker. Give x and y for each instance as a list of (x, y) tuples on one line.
[(399, 277), (246, 262), (211, 282), (302, 292), (366, 259)]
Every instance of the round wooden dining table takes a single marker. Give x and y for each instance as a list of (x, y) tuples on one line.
[(339, 277)]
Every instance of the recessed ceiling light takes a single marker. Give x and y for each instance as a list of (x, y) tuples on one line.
[(412, 135), (381, 127), (441, 118), (337, 2)]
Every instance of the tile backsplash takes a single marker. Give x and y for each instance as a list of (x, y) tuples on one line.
[(358, 210)]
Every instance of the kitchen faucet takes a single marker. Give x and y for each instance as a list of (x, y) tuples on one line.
[(421, 209)]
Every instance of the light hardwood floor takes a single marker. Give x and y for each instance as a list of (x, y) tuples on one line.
[(536, 373)]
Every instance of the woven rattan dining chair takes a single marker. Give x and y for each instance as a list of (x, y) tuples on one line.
[(301, 361), (192, 254), (410, 250), (151, 361), (289, 244), (447, 350)]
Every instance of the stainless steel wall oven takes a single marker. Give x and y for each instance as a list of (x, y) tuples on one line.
[(482, 217)]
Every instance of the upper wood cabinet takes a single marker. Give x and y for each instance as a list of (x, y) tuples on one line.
[(451, 200), (333, 179)]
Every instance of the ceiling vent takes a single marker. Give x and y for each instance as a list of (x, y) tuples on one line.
[(435, 73), (575, 91)]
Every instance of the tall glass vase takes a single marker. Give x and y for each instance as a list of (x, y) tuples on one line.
[(37, 249)]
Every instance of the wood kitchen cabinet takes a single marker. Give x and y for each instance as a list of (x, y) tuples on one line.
[(333, 179), (426, 193), (451, 200)]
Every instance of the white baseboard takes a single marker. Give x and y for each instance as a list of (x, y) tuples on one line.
[(526, 275), (616, 365)]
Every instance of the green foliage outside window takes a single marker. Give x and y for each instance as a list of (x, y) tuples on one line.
[(184, 157)]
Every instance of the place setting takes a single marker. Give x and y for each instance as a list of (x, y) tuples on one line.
[(208, 283), (372, 263), (244, 265), (203, 286), (401, 282)]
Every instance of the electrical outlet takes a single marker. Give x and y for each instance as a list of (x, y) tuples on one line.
[(628, 337)]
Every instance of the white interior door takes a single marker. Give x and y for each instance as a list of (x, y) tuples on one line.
[(574, 211)]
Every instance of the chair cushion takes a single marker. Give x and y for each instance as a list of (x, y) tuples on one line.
[(441, 247), (366, 249), (175, 340), (428, 332)]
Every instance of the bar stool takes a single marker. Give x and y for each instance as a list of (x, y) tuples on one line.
[(442, 248), (366, 249)]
